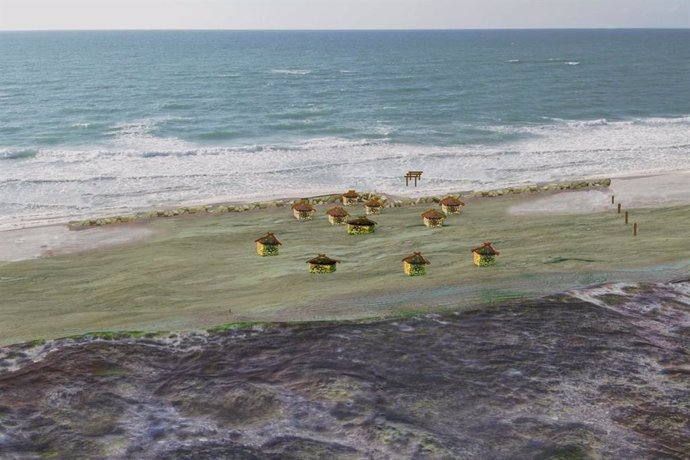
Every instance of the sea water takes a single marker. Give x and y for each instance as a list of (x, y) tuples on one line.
[(104, 122)]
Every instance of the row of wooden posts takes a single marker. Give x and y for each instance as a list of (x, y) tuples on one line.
[(613, 200)]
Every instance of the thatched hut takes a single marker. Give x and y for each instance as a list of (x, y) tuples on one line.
[(322, 264), (485, 255), (451, 205), (350, 198), (337, 215), (373, 206), (360, 226), (433, 218), (415, 265), (267, 245), (302, 210)]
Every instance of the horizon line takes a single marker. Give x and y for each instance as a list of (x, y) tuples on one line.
[(344, 29)]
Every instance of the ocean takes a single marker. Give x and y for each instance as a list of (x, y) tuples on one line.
[(97, 123)]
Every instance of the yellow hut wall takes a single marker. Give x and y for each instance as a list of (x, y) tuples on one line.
[(483, 261), (450, 209), (302, 215), (413, 270), (316, 268), (266, 250), (433, 223)]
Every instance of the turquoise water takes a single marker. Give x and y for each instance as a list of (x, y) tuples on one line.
[(94, 122)]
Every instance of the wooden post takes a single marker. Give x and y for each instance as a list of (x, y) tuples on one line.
[(635, 229), (407, 180), (626, 217), (619, 208), (612, 199)]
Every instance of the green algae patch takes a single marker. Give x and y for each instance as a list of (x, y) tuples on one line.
[(235, 326)]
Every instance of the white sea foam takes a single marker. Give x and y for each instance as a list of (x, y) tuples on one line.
[(291, 71), (573, 63), (140, 168), (514, 61)]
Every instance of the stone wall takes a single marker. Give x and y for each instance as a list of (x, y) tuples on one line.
[(331, 199)]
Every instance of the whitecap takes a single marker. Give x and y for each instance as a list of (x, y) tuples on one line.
[(291, 71), (572, 63), (513, 61)]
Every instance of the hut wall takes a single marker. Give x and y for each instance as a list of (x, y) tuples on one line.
[(483, 261), (337, 220), (349, 201), (266, 249), (360, 229), (372, 210), (302, 215), (450, 209), (413, 269), (316, 268), (433, 223)]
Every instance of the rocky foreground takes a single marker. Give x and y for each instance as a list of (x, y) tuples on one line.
[(601, 373)]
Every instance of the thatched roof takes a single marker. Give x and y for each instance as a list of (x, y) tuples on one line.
[(361, 221), (373, 203), (302, 206), (417, 259), (433, 214), (351, 194), (268, 239), (486, 250), (451, 201), (337, 212), (322, 259)]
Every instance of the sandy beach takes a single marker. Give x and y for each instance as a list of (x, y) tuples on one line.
[(194, 272)]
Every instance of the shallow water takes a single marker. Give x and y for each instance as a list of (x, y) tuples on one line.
[(601, 372)]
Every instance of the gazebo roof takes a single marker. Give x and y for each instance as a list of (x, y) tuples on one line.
[(362, 221), (451, 201), (433, 214), (268, 239), (351, 194), (486, 250), (373, 203), (302, 206), (322, 259), (417, 259), (337, 212)]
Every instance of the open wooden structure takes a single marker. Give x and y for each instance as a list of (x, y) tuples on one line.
[(413, 175)]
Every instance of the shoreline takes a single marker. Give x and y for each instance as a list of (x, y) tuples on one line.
[(387, 199)]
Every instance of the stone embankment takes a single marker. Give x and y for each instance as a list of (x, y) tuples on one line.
[(331, 199)]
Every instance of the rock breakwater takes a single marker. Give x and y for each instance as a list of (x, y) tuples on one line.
[(330, 199)]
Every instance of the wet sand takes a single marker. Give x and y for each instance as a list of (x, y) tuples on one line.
[(194, 272)]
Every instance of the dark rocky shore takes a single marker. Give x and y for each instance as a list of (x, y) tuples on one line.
[(602, 373)]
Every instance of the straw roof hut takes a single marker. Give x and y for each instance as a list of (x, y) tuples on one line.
[(415, 265), (485, 255), (337, 215), (373, 206), (350, 198), (267, 245), (322, 264), (433, 218), (302, 210), (361, 226), (451, 205)]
